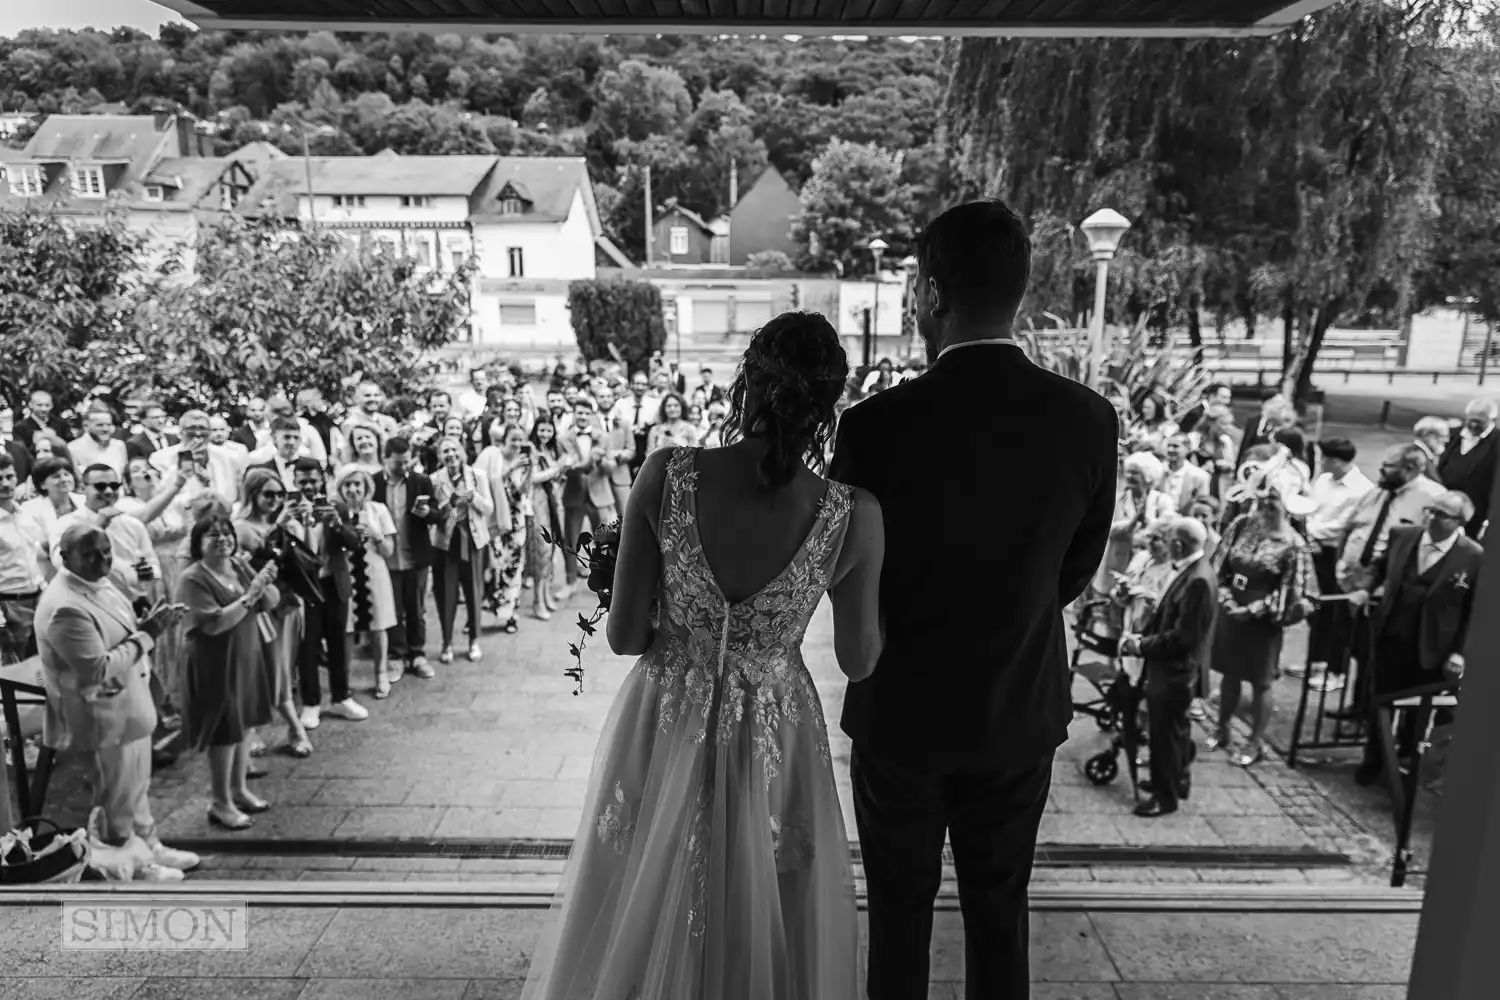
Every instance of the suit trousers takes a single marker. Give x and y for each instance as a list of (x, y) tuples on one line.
[(122, 783), (1331, 628), (408, 637), (1397, 668), (325, 624), (453, 576), (1170, 734), (573, 518), (990, 814)]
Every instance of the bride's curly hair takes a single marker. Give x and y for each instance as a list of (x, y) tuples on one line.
[(785, 392)]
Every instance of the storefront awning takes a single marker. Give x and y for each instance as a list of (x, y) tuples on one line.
[(1050, 18)]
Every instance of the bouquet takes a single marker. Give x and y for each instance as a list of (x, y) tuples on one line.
[(597, 553)]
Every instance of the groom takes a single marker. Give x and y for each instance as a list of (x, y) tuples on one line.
[(955, 731)]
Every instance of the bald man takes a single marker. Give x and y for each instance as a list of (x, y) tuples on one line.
[(1174, 644), (1468, 463), (96, 668)]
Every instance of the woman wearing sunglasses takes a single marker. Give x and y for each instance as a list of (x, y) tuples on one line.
[(264, 513)]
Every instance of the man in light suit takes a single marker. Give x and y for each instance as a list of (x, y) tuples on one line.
[(96, 667), (1184, 482), (587, 491)]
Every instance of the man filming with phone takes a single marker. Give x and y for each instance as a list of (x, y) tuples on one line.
[(321, 525), (210, 466)]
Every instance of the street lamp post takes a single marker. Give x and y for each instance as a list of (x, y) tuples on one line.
[(1104, 229), (877, 248)]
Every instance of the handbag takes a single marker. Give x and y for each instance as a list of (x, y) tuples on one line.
[(297, 565)]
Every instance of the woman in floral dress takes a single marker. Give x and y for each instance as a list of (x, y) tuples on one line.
[(1266, 584), (510, 482)]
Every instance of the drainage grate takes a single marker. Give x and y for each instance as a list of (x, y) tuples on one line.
[(557, 849)]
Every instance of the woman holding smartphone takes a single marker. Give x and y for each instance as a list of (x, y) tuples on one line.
[(511, 487), (459, 542), (372, 600), (228, 688), (546, 512)]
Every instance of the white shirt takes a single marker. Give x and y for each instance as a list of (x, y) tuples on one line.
[(224, 472), (21, 539), (975, 343), (1406, 507), (625, 412), (1467, 441), (128, 538), (469, 404), (86, 452), (1178, 567), (1430, 552), (1334, 498)]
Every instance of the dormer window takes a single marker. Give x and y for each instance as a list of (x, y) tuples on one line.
[(88, 182), (512, 206), (26, 182), (513, 200), (227, 198), (154, 193)]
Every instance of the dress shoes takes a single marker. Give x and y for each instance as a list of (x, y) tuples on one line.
[(1183, 790), (1154, 807)]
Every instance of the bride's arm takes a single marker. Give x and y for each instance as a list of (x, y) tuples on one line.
[(858, 619), (638, 565)]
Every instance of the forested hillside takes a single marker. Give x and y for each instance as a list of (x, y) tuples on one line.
[(685, 107)]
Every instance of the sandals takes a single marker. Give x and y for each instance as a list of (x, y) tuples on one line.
[(1246, 759), (301, 749), (541, 614), (1212, 744), (251, 804), (238, 822), (383, 687)]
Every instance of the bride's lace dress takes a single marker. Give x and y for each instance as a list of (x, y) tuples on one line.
[(712, 862)]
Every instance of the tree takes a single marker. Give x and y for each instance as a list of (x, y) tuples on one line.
[(272, 307), (855, 195), (626, 316), (1293, 175), (65, 296)]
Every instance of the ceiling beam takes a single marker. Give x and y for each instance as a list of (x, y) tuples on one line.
[(1270, 25)]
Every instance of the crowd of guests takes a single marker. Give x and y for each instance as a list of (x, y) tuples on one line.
[(1286, 531), (248, 553)]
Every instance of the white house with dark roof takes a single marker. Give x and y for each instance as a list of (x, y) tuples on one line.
[(156, 170), (530, 224)]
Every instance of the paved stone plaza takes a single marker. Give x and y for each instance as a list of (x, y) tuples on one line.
[(397, 953)]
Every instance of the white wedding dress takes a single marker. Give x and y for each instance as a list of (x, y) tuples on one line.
[(712, 861)]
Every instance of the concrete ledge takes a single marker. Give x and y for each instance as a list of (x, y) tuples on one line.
[(512, 893)]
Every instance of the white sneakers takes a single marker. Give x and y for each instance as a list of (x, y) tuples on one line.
[(170, 857), (474, 652), (349, 709), (159, 873), (311, 717)]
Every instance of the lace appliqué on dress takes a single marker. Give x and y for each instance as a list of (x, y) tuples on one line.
[(617, 821), (792, 844)]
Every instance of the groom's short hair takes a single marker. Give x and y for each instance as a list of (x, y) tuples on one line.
[(980, 253)]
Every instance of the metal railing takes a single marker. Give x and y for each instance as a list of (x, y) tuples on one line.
[(1424, 704)]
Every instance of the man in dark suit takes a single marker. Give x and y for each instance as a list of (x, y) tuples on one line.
[(153, 436), (956, 730), (1276, 413), (1424, 583), (1468, 463), (408, 495), (330, 538), (1174, 644), (286, 439), (40, 418)]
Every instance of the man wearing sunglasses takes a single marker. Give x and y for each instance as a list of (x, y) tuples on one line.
[(1423, 595), (136, 570)]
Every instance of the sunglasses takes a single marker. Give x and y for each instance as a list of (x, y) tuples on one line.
[(102, 487), (273, 494), (1439, 512)]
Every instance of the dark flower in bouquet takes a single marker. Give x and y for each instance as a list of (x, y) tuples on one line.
[(597, 552)]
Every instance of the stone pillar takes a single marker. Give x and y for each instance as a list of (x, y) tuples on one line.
[(1457, 957)]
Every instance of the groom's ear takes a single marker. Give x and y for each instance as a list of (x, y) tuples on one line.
[(938, 296)]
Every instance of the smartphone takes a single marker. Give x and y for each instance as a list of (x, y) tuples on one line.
[(294, 496), (184, 459)]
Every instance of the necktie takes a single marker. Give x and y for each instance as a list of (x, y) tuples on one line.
[(637, 421), (1368, 552)]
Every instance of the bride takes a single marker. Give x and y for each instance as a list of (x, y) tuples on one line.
[(712, 859)]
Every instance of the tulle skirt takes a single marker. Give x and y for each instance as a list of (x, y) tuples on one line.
[(694, 874)]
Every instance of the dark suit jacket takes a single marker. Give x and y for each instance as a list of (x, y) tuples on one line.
[(21, 456), (245, 436), (1250, 436), (1001, 524), (1472, 474), (140, 445), (339, 539), (1175, 639), (420, 537), (1445, 613), (26, 429)]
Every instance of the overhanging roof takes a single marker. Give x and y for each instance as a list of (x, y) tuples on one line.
[(1039, 18)]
